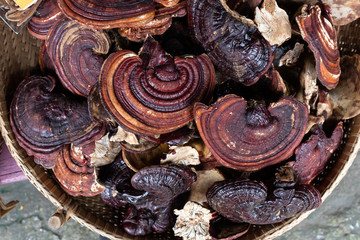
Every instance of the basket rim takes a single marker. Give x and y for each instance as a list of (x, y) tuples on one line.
[(38, 177)]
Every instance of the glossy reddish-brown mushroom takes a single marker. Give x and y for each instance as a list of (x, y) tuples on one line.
[(74, 173), (161, 22), (248, 201), (249, 139), (313, 155), (43, 119), (45, 16), (106, 14), (153, 93), (318, 31), (77, 54), (236, 48)]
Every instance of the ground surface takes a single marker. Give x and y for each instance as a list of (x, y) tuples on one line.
[(337, 218)]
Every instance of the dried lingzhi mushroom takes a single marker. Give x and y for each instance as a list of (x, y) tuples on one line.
[(153, 93), (249, 139)]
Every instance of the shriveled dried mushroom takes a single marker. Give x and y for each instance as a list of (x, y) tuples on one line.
[(291, 56), (184, 155), (273, 22), (345, 98), (313, 155), (308, 84), (344, 11), (193, 222), (105, 151)]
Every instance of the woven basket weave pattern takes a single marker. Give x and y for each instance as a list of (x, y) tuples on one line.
[(20, 58)]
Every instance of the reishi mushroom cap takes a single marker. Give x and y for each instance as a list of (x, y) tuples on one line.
[(45, 16), (248, 201), (43, 118), (317, 29), (166, 182), (162, 21), (74, 173), (106, 14), (236, 48), (249, 139), (77, 53), (153, 93)]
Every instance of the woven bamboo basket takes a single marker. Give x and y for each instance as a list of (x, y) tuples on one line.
[(19, 57)]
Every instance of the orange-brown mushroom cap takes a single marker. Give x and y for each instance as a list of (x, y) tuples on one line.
[(106, 14), (161, 22), (45, 16), (74, 173), (318, 31), (253, 138), (153, 93)]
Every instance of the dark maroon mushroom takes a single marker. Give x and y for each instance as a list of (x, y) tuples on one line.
[(112, 175), (313, 155), (248, 201), (138, 222), (77, 53), (43, 119), (235, 46), (45, 16), (251, 138), (154, 190)]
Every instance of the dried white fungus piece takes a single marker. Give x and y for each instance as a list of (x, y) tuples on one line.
[(193, 222), (105, 151), (292, 56), (185, 155), (273, 22), (122, 135), (308, 83)]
